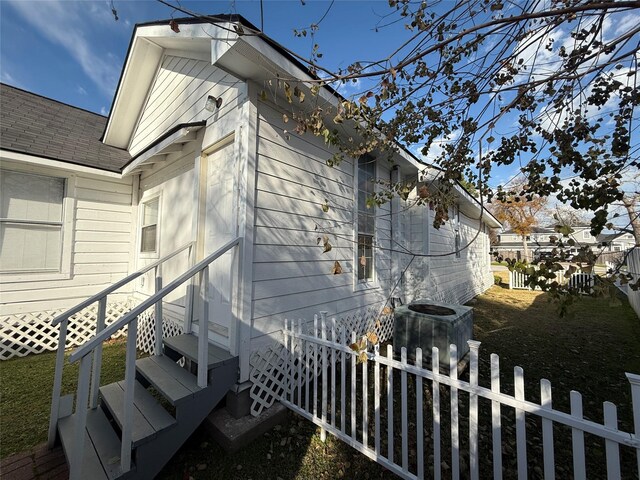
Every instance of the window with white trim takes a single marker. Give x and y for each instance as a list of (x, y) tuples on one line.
[(586, 234), (149, 227), (31, 222), (456, 226), (366, 218)]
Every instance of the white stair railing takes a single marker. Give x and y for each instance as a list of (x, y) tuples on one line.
[(101, 299), (130, 320)]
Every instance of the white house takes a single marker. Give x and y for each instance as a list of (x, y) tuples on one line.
[(192, 152), (543, 239)]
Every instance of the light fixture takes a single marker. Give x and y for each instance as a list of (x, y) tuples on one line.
[(213, 103)]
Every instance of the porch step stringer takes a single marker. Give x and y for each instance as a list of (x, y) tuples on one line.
[(156, 434)]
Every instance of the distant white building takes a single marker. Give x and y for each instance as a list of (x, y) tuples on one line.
[(543, 239)]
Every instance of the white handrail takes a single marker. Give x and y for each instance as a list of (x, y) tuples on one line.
[(63, 319), (133, 313), (112, 288), (131, 320)]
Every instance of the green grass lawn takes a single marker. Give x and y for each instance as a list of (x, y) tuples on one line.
[(588, 351), (25, 394)]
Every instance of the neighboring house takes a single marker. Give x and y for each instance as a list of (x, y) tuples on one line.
[(192, 152), (616, 242), (543, 239)]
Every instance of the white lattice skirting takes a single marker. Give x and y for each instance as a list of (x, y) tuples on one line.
[(269, 375), (27, 333)]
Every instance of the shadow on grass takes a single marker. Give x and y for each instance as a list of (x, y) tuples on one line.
[(588, 351)]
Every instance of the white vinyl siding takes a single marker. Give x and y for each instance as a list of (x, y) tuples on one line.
[(291, 275), (97, 231), (179, 94), (171, 184), (31, 220), (446, 278)]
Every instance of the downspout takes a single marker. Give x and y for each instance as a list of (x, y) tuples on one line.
[(396, 268)]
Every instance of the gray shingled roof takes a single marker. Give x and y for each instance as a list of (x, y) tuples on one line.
[(43, 127)]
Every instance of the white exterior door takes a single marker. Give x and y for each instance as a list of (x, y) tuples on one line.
[(220, 228)]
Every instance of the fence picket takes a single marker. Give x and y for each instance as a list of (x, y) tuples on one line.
[(577, 437), (390, 405), (315, 368), (343, 382), (474, 346), (288, 392), (419, 419), (300, 359), (455, 434), (613, 452), (435, 392), (333, 373), (323, 327), (297, 343), (634, 380), (403, 410), (354, 373), (376, 399), (496, 422), (307, 350), (521, 429), (547, 431), (365, 404)]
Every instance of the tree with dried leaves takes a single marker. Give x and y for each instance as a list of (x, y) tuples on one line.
[(521, 212), (546, 87)]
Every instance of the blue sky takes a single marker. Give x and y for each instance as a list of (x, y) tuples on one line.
[(74, 51)]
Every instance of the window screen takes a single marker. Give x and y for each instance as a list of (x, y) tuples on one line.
[(149, 233), (366, 217), (30, 222)]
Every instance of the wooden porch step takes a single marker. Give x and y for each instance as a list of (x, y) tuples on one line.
[(101, 459), (175, 383), (187, 345), (149, 417)]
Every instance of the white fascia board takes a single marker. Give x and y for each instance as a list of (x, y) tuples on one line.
[(140, 69), (46, 162), (474, 203)]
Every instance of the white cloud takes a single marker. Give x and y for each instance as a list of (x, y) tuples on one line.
[(437, 147), (6, 77), (104, 111), (71, 26), (81, 90)]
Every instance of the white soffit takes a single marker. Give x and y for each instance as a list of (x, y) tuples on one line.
[(158, 153)]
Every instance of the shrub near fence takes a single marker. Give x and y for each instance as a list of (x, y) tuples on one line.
[(420, 423)]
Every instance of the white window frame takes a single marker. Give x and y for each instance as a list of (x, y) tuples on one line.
[(586, 235), (363, 284), (68, 222), (147, 198), (457, 234)]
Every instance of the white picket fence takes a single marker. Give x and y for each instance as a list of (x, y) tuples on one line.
[(401, 414), (581, 281)]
